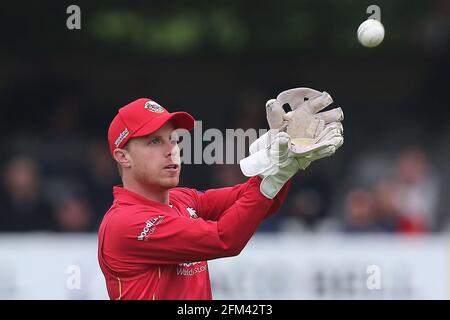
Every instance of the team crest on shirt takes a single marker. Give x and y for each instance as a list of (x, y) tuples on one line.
[(153, 107), (192, 213)]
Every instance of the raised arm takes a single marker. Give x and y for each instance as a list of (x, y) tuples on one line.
[(178, 239)]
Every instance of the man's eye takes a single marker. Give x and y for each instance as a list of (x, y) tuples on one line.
[(174, 141), (155, 140)]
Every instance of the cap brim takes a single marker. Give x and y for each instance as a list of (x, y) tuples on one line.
[(180, 120)]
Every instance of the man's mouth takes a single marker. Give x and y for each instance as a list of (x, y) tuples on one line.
[(172, 167)]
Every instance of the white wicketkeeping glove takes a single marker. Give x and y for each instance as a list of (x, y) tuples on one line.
[(277, 163), (303, 123), (275, 156), (273, 164)]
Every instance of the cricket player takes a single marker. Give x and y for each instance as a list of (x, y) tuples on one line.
[(155, 240)]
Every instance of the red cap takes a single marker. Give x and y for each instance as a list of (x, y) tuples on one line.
[(140, 118)]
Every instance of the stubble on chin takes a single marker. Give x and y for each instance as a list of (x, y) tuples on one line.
[(170, 182), (158, 181)]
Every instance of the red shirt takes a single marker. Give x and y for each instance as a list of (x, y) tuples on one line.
[(149, 250)]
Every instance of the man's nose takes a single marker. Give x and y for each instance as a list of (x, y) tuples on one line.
[(171, 150)]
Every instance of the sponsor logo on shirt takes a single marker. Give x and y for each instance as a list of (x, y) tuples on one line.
[(190, 264), (192, 213), (192, 268), (149, 228)]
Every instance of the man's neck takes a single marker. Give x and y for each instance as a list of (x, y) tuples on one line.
[(161, 195)]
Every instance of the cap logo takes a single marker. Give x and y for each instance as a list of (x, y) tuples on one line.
[(120, 138), (153, 107)]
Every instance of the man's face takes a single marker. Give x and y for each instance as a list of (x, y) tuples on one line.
[(155, 159)]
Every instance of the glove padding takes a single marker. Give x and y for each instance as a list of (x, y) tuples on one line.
[(272, 164), (262, 162), (276, 164), (305, 136), (303, 121), (313, 135)]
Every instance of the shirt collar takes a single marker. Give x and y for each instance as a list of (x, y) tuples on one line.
[(129, 197)]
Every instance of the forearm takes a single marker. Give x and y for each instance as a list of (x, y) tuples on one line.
[(241, 220), (214, 202)]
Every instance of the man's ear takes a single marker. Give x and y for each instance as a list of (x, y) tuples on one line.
[(122, 156)]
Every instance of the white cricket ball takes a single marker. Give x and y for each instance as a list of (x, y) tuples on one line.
[(370, 33)]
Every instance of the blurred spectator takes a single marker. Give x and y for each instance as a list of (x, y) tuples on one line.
[(71, 203), (417, 189), (370, 169), (388, 213), (304, 211), (360, 211), (73, 214), (100, 177), (22, 206), (403, 200)]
